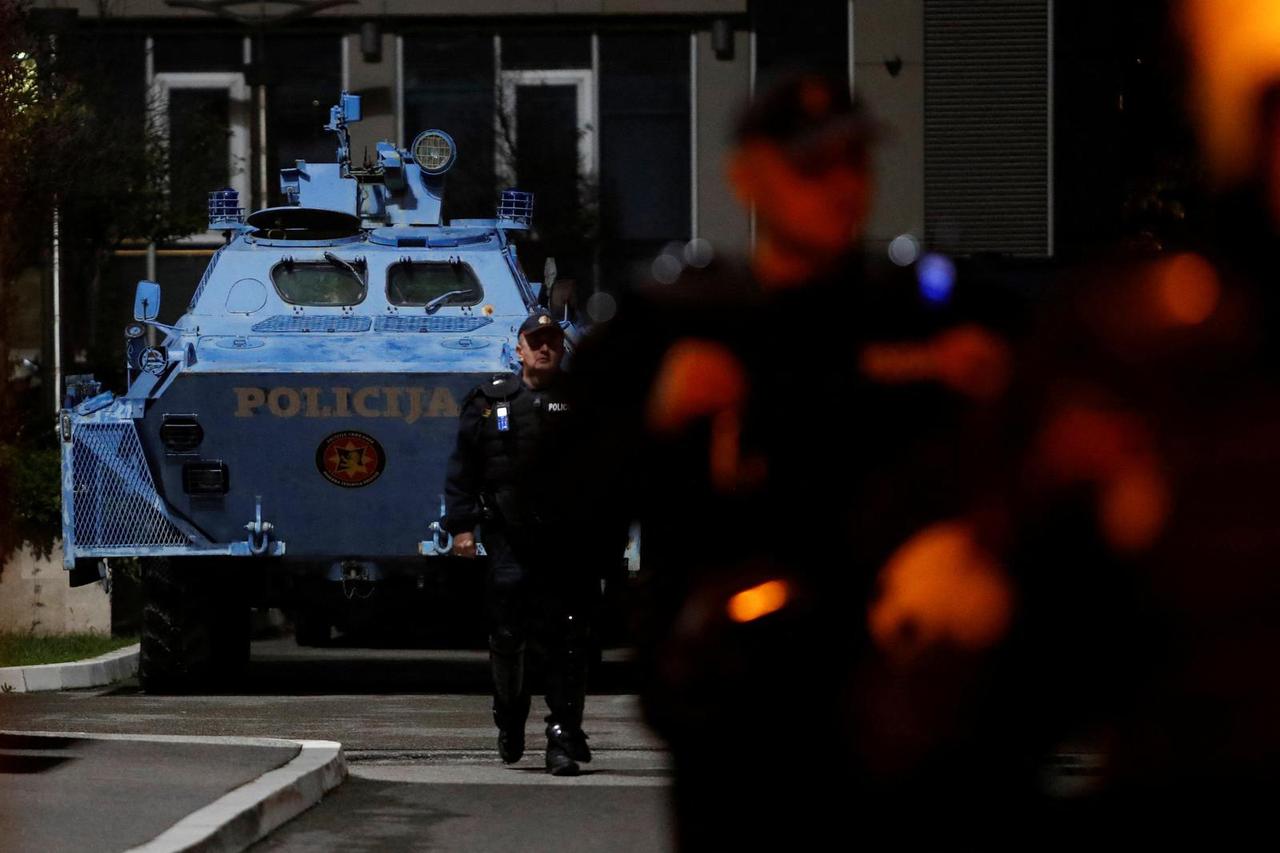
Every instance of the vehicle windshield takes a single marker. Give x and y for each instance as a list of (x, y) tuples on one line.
[(326, 283), (420, 283)]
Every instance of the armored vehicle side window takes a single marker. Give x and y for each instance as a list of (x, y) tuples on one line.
[(421, 283), (320, 284)]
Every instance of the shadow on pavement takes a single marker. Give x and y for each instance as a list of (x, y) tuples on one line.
[(280, 667)]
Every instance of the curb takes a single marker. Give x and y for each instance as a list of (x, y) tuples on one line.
[(93, 672), (253, 810), (249, 813)]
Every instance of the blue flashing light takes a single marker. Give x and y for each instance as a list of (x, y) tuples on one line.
[(937, 277), (225, 211)]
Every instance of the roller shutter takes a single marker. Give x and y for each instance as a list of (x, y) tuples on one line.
[(988, 125)]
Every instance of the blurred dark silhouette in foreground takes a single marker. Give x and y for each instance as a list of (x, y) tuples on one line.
[(778, 428), (907, 575)]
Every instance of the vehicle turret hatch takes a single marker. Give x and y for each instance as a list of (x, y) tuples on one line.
[(303, 223)]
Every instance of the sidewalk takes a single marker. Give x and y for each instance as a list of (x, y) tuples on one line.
[(93, 672), (73, 792)]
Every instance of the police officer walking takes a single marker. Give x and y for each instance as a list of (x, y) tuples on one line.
[(503, 482), (771, 472)]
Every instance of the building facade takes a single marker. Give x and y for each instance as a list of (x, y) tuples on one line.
[(617, 113)]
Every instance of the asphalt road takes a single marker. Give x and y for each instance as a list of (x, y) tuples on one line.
[(421, 748), (74, 794), (461, 803)]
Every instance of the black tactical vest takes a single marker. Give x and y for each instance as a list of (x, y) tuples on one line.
[(523, 474)]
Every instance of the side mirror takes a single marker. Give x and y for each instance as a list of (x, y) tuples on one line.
[(146, 301), (549, 274), (560, 301)]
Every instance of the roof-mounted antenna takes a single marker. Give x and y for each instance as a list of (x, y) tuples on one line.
[(346, 112)]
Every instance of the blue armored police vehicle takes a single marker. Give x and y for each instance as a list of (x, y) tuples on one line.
[(288, 435)]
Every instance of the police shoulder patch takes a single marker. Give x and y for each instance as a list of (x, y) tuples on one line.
[(501, 387)]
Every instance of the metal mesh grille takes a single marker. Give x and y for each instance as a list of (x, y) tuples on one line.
[(115, 498), (516, 205), (430, 324), (316, 323), (224, 209)]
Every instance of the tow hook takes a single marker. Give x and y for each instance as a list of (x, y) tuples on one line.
[(259, 537), (441, 542)]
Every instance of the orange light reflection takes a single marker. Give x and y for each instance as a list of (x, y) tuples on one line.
[(1235, 52), (758, 601), (1187, 289), (697, 379)]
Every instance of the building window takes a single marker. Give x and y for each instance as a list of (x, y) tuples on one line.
[(192, 107), (303, 77), (612, 181), (529, 51), (449, 85), (644, 148), (207, 51), (790, 37)]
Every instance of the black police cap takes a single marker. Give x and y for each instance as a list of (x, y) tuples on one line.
[(538, 322), (808, 110)]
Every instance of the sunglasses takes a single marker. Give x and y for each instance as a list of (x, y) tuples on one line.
[(538, 340)]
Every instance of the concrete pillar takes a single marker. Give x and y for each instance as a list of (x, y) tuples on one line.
[(889, 38), (723, 87), (35, 598), (375, 83)]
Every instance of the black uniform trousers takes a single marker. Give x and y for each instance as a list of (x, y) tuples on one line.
[(542, 587)]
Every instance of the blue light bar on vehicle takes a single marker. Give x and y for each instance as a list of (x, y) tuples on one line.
[(225, 211)]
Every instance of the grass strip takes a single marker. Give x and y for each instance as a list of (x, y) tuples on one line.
[(27, 649)]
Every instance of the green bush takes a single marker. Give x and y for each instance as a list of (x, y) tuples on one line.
[(30, 497)]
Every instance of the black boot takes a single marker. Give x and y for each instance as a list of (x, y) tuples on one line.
[(560, 759), (510, 724), (510, 703), (566, 718), (566, 697)]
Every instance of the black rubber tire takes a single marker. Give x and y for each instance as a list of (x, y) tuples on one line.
[(230, 623), (195, 626), (173, 641), (311, 628)]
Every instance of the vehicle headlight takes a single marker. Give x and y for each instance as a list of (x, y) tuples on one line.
[(434, 151)]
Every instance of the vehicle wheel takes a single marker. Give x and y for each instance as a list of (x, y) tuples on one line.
[(311, 628), (195, 627), (173, 640), (230, 621)]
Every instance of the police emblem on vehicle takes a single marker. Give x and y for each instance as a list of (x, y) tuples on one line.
[(350, 459)]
